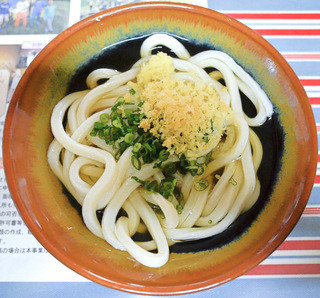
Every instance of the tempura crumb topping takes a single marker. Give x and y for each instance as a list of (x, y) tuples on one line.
[(188, 116)]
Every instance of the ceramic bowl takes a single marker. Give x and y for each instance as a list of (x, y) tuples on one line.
[(50, 214)]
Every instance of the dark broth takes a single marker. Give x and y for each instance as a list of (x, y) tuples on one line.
[(121, 57)]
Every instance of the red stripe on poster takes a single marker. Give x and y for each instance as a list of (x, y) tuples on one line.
[(312, 211), (318, 130), (285, 269), (317, 179), (299, 32), (310, 82), (300, 245), (314, 100), (281, 16), (306, 56)]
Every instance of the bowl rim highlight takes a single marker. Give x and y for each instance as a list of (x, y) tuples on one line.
[(133, 288)]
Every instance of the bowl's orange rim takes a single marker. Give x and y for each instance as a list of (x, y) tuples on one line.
[(138, 289)]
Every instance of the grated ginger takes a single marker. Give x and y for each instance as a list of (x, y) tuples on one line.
[(188, 117)]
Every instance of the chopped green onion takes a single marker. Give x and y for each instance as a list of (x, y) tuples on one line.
[(233, 182), (137, 179), (208, 157), (135, 161), (164, 155), (210, 222), (117, 123), (117, 104), (104, 117), (121, 130), (157, 165), (101, 134), (193, 172), (132, 91), (93, 132), (128, 138), (128, 112), (98, 125), (106, 132), (147, 147), (170, 169), (200, 170), (201, 185), (152, 186), (167, 186), (136, 147), (178, 195), (115, 134), (130, 129), (192, 163), (117, 155)]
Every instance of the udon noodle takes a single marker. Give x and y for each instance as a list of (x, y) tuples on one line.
[(138, 195)]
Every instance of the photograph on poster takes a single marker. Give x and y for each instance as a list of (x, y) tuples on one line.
[(90, 7), (30, 17)]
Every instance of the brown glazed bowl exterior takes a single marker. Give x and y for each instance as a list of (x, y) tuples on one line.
[(58, 226)]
